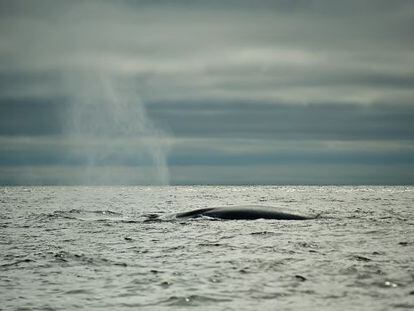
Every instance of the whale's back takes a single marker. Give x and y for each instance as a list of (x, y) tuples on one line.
[(242, 212)]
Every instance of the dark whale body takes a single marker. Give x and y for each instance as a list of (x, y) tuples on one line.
[(242, 212)]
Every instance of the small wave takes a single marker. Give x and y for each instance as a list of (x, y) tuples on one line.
[(180, 301), (211, 244), (53, 215), (16, 263), (409, 306), (77, 214), (129, 221), (361, 258), (264, 233), (96, 212), (192, 300), (77, 292), (69, 258)]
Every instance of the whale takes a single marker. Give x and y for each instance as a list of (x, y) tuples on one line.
[(247, 212)]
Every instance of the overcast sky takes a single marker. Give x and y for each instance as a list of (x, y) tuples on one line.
[(206, 92)]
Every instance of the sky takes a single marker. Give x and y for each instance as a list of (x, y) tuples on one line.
[(212, 92)]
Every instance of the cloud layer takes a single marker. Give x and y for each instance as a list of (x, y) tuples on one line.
[(221, 91)]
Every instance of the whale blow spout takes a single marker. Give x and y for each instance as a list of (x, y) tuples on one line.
[(243, 213)]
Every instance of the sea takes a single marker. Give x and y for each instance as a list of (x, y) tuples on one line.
[(100, 248)]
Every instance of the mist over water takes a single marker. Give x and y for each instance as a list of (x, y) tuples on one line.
[(110, 134)]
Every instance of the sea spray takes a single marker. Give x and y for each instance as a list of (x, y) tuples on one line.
[(111, 135)]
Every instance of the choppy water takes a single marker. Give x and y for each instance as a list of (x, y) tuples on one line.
[(88, 247)]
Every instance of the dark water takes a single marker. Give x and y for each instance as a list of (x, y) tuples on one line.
[(89, 248)]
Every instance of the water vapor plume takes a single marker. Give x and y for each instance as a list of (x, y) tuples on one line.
[(111, 134)]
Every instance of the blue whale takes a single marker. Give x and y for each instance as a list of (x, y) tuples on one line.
[(248, 212)]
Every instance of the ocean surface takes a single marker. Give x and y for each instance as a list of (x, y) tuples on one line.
[(92, 248)]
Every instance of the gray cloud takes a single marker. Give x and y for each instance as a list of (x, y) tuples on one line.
[(318, 121), (323, 121), (197, 50)]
